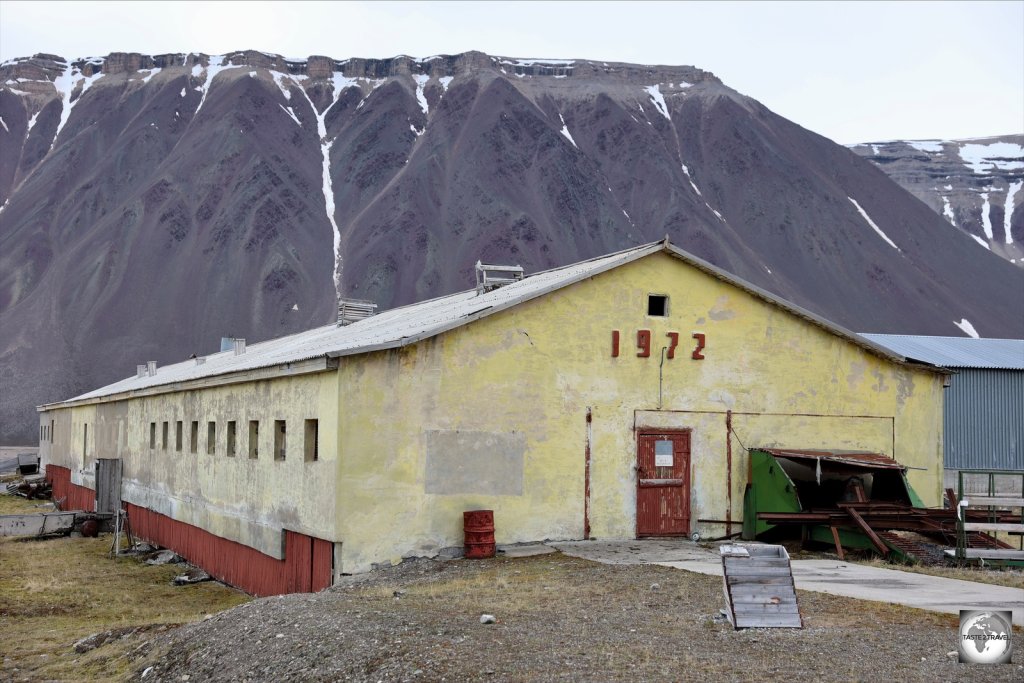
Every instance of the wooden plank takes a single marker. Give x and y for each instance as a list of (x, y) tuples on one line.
[(751, 608), (740, 601), (762, 620), (766, 551), (756, 562), (758, 571), (988, 554), (868, 531), (977, 501), (987, 526), (761, 580)]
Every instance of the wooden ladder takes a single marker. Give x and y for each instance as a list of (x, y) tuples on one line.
[(759, 590)]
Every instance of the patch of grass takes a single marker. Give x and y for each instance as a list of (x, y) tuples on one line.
[(16, 505), (57, 591)]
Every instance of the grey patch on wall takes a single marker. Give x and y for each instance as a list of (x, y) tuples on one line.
[(460, 462)]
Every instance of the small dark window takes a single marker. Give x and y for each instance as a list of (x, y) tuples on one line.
[(193, 443), (211, 438), (657, 304), (152, 434), (311, 449), (163, 443), (85, 439), (279, 440), (231, 438), (177, 436), (254, 439)]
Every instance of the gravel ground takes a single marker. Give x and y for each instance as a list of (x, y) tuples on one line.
[(558, 618)]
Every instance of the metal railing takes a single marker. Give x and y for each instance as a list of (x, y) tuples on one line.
[(1001, 491)]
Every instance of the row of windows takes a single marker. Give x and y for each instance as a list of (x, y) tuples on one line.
[(46, 432), (310, 447)]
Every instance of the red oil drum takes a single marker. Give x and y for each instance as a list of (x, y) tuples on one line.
[(478, 526)]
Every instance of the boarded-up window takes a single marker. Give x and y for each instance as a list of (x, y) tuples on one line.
[(177, 436), (312, 451), (465, 462), (193, 440), (211, 438), (279, 440), (231, 438), (254, 439), (152, 434), (163, 434), (85, 439)]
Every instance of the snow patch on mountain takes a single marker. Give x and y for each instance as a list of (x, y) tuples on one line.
[(979, 241), (658, 99), (445, 81), (930, 146), (995, 156), (566, 133), (216, 66), (947, 210), (967, 328), (874, 226), (4, 124), (1011, 192), (421, 82), (986, 216), (152, 72), (65, 85), (288, 110)]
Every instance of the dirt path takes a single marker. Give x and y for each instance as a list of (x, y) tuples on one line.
[(558, 618)]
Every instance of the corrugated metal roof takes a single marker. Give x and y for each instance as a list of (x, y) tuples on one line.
[(409, 324), (857, 458), (956, 352)]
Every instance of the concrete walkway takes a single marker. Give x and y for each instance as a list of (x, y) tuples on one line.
[(824, 576)]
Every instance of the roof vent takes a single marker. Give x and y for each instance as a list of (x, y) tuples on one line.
[(239, 346), (151, 367), (490, 277), (140, 371), (354, 310)]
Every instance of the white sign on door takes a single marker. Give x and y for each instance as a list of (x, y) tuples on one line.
[(663, 453)]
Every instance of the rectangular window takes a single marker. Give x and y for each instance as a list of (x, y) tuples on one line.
[(211, 438), (85, 439), (51, 430), (311, 450), (231, 438), (193, 443), (177, 436), (657, 304), (152, 434), (254, 439), (163, 442), (279, 440)]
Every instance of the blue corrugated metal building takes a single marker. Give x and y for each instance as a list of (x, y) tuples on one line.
[(984, 404)]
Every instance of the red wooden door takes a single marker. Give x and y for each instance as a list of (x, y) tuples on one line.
[(663, 493)]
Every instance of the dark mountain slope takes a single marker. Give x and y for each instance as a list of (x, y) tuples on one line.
[(154, 204)]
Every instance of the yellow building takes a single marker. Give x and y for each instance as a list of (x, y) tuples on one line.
[(612, 398)]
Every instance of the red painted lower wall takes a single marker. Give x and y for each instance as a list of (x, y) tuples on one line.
[(308, 564), (66, 495)]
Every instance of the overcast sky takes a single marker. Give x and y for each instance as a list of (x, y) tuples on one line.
[(855, 72)]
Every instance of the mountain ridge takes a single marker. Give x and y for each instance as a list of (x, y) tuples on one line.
[(148, 213)]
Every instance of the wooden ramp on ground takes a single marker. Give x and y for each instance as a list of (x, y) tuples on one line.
[(759, 589)]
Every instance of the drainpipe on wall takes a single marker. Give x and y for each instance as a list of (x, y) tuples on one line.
[(728, 475)]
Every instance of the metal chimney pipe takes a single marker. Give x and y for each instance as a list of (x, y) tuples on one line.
[(239, 346), (151, 366), (140, 371)]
